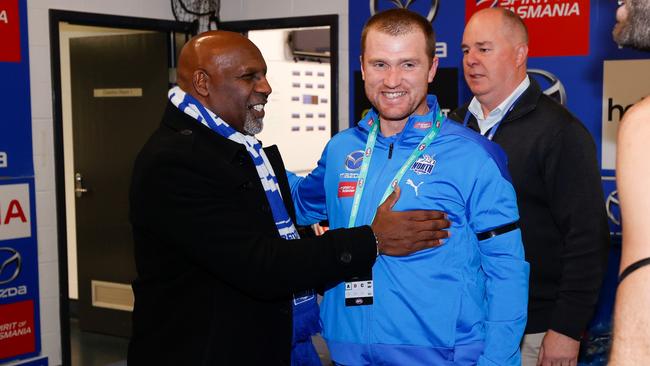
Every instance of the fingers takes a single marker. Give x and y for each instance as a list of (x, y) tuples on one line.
[(438, 236), (393, 197), (429, 225), (391, 200), (408, 248), (425, 244), (435, 235), (428, 243), (404, 247), (422, 215)]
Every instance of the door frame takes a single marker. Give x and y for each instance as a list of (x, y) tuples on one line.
[(331, 20), (87, 19)]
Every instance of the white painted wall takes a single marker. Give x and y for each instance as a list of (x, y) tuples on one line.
[(300, 130), (265, 9), (42, 124)]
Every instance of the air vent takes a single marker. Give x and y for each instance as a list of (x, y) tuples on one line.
[(111, 295)]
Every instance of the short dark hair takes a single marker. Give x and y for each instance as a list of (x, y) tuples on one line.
[(398, 22)]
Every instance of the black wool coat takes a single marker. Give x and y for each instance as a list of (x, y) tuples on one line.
[(214, 278)]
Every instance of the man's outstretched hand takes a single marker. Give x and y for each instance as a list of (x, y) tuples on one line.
[(406, 232)]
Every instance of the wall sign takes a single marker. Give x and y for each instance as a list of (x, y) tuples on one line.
[(19, 297), (16, 156), (9, 31), (15, 217), (20, 336), (547, 22)]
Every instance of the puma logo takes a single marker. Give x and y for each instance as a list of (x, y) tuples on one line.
[(409, 182)]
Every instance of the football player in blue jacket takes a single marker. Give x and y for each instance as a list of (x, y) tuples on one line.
[(462, 303)]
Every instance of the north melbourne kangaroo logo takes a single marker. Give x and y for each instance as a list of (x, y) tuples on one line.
[(409, 182)]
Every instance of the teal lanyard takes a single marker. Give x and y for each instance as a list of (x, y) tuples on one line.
[(370, 145)]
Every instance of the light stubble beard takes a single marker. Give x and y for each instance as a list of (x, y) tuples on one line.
[(252, 125)]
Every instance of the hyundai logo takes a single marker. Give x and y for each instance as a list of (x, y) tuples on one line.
[(353, 160), (556, 89), (431, 15), (10, 261)]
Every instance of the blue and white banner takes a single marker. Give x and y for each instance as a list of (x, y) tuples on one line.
[(19, 296), (20, 336), (15, 119)]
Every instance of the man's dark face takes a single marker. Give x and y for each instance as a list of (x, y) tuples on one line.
[(633, 24), (238, 88)]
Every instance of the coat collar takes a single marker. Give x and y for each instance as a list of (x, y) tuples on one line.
[(182, 123), (525, 105), (221, 146)]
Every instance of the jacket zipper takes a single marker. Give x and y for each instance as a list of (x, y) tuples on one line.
[(390, 150)]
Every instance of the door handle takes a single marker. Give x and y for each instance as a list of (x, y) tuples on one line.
[(79, 189)]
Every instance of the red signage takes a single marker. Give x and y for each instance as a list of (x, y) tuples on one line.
[(14, 211), (555, 27), (9, 31), (17, 329)]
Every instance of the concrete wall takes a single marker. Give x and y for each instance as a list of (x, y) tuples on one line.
[(42, 123)]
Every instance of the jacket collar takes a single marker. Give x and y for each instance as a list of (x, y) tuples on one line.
[(180, 122), (525, 105), (221, 146), (416, 126)]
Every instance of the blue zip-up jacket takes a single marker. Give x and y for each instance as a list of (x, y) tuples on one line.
[(463, 303)]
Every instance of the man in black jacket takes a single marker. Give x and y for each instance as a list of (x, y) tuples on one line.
[(211, 213), (552, 160)]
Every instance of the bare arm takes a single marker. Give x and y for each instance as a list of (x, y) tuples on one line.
[(631, 344)]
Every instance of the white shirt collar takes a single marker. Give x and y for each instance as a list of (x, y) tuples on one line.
[(497, 114)]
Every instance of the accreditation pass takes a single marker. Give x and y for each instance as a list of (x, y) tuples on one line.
[(359, 291)]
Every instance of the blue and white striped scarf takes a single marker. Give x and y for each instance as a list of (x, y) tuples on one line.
[(305, 309), (188, 104)]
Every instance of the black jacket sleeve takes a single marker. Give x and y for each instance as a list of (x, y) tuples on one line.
[(575, 194), (218, 223)]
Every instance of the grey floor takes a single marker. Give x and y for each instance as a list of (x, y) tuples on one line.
[(92, 349)]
